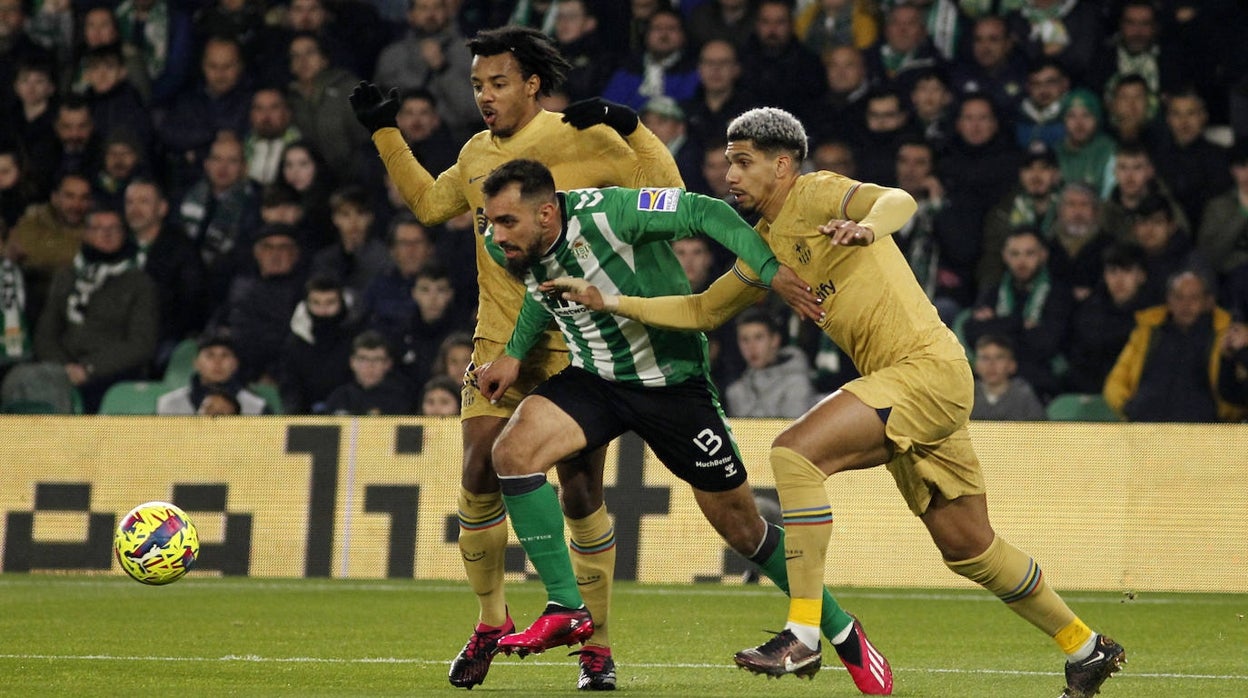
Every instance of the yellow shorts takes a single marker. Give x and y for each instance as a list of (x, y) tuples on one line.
[(539, 365), (930, 403)]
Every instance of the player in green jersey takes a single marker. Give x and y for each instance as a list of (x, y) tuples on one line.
[(624, 376)]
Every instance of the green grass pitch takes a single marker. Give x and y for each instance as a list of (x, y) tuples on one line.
[(81, 636)]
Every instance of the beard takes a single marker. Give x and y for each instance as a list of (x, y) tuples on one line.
[(519, 266)]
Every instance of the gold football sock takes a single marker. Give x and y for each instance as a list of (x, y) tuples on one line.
[(483, 545), (807, 515), (1017, 580), (593, 557)]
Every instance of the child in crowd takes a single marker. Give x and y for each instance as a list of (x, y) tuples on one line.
[(999, 394), (375, 390), (441, 397)]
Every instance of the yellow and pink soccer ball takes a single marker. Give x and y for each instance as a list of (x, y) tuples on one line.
[(156, 543)]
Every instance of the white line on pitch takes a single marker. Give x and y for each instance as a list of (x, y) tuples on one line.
[(251, 658)]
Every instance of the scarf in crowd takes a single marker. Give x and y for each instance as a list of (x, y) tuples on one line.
[(151, 34), (93, 269), (12, 309), (1007, 299), (1025, 214), (1046, 23), (653, 72)]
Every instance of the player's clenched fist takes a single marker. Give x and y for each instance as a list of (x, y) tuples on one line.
[(589, 112)]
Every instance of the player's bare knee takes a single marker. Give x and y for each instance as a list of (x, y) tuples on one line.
[(510, 455)]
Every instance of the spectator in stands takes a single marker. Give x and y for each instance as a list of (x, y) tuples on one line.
[(1168, 371), (1032, 203), (777, 69), (1195, 168), (1039, 117), (432, 143), (1076, 241), (1000, 395), (16, 190), (1086, 153), (666, 119), (1101, 323), (1233, 376), (316, 355), (1028, 307), (16, 47), (170, 259), (219, 101), (776, 381), (840, 113), (374, 388), (827, 24), (1068, 32), (436, 317), (919, 237), (115, 104), (978, 169), (77, 150), (100, 320), (32, 119), (1223, 238), (318, 100), (576, 33), (357, 257), (48, 236), (721, 20), (305, 171), (996, 68), (1167, 247), (432, 55), (441, 397), (219, 402), (719, 98), (932, 103), (834, 156), (163, 33), (123, 162), (664, 67), (313, 18), (1132, 111), (237, 21), (388, 302), (98, 27), (904, 48), (258, 309), (886, 127), (1135, 179), (270, 129), (454, 356), (1136, 49), (16, 347), (219, 213), (216, 372)]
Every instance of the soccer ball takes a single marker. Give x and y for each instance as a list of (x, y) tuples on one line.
[(156, 543)]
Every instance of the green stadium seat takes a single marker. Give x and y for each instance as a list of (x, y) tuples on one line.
[(181, 363), (133, 397), (270, 394), (1074, 407)]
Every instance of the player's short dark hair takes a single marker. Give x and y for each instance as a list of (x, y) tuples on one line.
[(434, 272), (446, 383), (1132, 149), (535, 180), (1022, 230), (534, 51), (1130, 79), (771, 130)]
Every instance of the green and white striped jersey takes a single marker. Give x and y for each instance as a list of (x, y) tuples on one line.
[(619, 240)]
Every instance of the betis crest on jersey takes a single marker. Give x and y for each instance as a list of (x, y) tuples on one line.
[(654, 199)]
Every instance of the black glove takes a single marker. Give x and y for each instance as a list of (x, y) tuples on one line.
[(596, 110), (372, 109)]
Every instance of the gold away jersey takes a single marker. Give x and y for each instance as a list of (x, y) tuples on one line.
[(876, 311), (594, 157)]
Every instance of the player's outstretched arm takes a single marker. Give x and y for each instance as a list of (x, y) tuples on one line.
[(874, 211), (596, 110), (373, 109)]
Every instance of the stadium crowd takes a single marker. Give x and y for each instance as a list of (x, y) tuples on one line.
[(1081, 170)]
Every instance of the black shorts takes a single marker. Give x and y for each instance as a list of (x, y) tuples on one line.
[(683, 424)]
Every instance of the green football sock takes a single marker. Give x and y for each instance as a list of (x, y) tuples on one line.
[(538, 523), (833, 619)]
